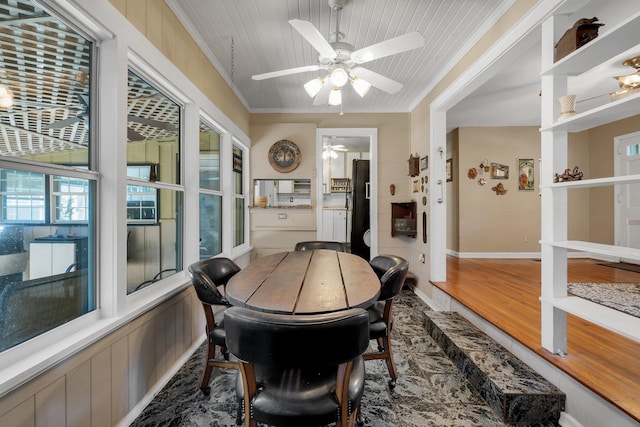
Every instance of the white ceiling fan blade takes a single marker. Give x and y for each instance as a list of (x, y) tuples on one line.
[(322, 98), (286, 72), (377, 80), (313, 36), (388, 47)]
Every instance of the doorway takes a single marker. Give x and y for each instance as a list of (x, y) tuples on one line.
[(627, 196), (336, 150)]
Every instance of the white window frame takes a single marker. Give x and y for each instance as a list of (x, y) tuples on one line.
[(120, 46)]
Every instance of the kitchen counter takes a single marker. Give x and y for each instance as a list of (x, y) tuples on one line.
[(282, 207)]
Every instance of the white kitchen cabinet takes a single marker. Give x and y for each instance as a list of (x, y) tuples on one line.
[(285, 186), (336, 225), (341, 225), (337, 165), (55, 256), (556, 303)]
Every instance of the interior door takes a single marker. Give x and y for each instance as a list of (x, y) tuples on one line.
[(628, 195)]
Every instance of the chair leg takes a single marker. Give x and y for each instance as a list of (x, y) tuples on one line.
[(206, 373), (240, 411), (391, 364)]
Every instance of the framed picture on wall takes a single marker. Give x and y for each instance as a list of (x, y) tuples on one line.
[(449, 170), (499, 171), (424, 163), (526, 176)]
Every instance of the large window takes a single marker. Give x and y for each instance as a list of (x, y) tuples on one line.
[(239, 197), (154, 193), (47, 230), (210, 194)]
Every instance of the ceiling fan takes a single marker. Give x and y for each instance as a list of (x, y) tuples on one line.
[(329, 150), (342, 61)]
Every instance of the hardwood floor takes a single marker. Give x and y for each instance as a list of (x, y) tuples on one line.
[(506, 293)]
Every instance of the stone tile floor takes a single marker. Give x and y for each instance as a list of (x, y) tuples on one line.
[(430, 391)]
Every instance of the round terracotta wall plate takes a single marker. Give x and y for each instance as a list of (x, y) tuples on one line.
[(284, 156)]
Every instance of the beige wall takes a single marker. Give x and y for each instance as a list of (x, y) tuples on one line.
[(393, 152), (490, 222), (601, 204), (158, 23)]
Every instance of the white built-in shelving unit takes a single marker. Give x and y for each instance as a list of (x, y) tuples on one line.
[(554, 243)]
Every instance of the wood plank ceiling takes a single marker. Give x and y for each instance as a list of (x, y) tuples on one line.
[(247, 37)]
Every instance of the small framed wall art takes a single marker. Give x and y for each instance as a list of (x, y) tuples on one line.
[(526, 177), (449, 170), (424, 163), (499, 171)]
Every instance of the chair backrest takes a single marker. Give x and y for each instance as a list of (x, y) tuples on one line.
[(320, 244), (296, 341), (392, 270), (208, 274)]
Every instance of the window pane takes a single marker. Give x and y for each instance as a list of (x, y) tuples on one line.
[(22, 196), (238, 218), (153, 131), (209, 158), (46, 69), (45, 277), (154, 251), (70, 199), (210, 225), (237, 170)]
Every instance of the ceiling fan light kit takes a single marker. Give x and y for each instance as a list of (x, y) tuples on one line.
[(335, 97), (6, 97), (312, 87), (339, 59)]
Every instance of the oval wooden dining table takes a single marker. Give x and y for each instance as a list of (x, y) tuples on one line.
[(305, 282)]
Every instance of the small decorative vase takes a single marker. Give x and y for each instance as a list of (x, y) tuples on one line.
[(567, 106)]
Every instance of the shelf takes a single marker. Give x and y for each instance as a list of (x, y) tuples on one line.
[(607, 113), (597, 182), (614, 320), (597, 248), (403, 219), (617, 40)]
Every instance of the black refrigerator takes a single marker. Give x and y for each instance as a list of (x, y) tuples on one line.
[(360, 234)]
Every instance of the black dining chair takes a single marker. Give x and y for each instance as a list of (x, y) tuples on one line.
[(289, 376), (392, 271), (320, 244), (209, 278)]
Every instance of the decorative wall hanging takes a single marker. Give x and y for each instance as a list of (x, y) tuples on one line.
[(424, 201), (482, 182), (568, 175), (416, 185), (525, 174), (414, 165), (392, 189), (499, 189), (484, 166), (424, 227), (284, 156), (473, 172), (449, 170), (582, 32), (424, 163), (499, 171)]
